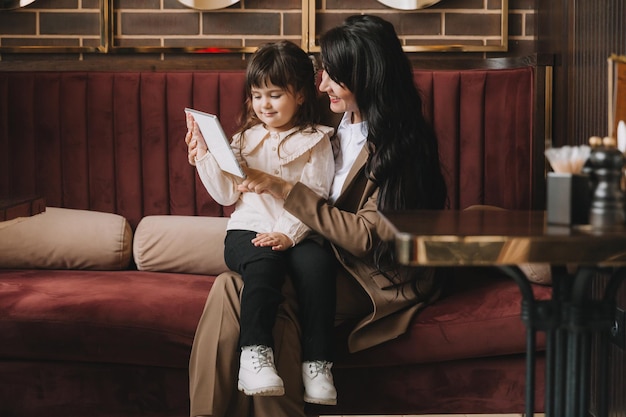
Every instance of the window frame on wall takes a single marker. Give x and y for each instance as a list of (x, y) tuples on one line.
[(205, 49), (308, 39), (502, 46), (102, 47)]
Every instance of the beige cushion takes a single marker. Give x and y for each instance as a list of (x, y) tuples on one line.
[(62, 238), (185, 244)]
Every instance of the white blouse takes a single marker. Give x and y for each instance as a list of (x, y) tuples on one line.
[(351, 138), (306, 157)]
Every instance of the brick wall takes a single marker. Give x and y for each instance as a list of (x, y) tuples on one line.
[(169, 24)]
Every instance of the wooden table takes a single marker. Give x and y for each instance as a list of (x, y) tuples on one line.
[(570, 318), (500, 237)]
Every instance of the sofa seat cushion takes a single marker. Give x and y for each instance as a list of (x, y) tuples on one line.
[(122, 317), (149, 318), (479, 318)]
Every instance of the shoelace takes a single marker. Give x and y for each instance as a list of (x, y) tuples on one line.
[(263, 357), (319, 367)]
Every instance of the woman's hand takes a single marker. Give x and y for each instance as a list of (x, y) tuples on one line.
[(276, 240), (261, 182), (196, 146)]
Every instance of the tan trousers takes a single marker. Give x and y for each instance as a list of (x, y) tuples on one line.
[(214, 362)]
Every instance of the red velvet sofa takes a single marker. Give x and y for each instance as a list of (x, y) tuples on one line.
[(89, 340)]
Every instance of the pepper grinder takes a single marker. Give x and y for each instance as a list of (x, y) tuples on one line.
[(607, 203)]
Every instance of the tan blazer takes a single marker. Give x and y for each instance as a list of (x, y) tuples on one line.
[(354, 226)]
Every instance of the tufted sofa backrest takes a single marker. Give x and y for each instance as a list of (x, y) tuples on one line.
[(113, 141)]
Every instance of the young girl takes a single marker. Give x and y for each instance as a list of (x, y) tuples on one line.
[(264, 243)]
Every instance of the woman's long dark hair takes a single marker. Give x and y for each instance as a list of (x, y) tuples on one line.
[(365, 55)]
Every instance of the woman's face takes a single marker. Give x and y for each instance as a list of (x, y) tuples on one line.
[(341, 99)]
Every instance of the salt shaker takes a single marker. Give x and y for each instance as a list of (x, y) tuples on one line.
[(607, 203)]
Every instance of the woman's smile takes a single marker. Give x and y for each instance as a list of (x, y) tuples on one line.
[(341, 99)]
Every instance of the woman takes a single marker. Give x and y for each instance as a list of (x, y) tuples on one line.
[(387, 160)]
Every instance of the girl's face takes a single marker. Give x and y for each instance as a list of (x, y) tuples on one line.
[(341, 99), (275, 106)]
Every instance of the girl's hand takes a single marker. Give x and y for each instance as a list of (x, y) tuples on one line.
[(196, 146), (261, 182), (276, 240)]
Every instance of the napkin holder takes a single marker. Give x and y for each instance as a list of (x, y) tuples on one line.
[(568, 198)]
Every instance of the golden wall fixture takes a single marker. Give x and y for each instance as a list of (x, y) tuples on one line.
[(406, 15), (409, 4), (208, 4), (616, 92)]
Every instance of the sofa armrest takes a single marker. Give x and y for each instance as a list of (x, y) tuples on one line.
[(61, 238), (183, 244)]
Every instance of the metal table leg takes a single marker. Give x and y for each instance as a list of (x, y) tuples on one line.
[(570, 319)]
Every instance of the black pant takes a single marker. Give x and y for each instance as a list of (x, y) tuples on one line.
[(312, 269)]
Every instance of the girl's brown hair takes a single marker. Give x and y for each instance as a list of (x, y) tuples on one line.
[(285, 65)]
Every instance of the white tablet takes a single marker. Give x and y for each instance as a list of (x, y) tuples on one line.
[(217, 142)]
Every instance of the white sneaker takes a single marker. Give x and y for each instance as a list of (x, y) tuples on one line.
[(319, 387), (257, 373)]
